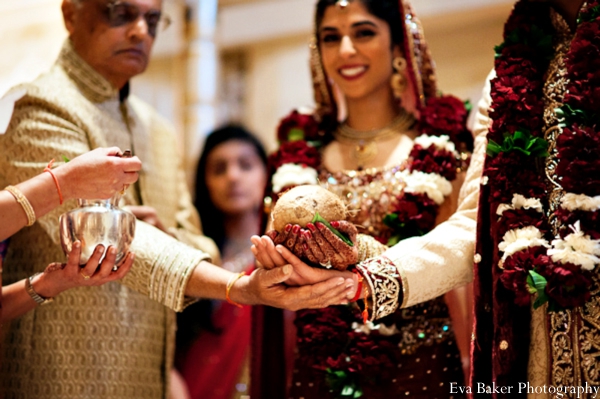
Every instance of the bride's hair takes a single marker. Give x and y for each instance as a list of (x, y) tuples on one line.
[(386, 10)]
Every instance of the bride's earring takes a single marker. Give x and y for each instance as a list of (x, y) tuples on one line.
[(398, 78)]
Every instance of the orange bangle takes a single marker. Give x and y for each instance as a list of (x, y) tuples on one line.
[(230, 284), (49, 170)]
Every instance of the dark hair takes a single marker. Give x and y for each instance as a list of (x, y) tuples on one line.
[(212, 218), (386, 10), (198, 317)]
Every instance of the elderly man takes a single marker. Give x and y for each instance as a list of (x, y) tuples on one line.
[(114, 341)]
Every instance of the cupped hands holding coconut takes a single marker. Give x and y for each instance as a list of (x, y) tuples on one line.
[(310, 222)]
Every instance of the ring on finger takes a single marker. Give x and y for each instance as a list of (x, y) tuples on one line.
[(85, 276), (326, 264)]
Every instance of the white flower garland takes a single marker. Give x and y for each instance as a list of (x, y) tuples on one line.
[(574, 202), (576, 248), (440, 142), (435, 186), (291, 174), (520, 202), (518, 239)]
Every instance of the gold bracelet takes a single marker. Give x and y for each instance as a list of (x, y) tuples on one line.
[(230, 284), (24, 202)]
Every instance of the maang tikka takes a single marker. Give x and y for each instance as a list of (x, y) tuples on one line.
[(342, 4)]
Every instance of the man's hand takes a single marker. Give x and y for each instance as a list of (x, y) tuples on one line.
[(267, 287)]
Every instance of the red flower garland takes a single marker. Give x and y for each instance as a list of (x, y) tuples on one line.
[(518, 105)]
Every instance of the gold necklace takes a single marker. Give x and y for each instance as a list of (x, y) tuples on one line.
[(365, 142)]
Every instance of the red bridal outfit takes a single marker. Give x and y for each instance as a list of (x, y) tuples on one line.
[(406, 347)]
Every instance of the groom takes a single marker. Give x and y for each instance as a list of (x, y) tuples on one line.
[(536, 275)]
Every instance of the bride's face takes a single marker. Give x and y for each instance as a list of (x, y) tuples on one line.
[(356, 50)]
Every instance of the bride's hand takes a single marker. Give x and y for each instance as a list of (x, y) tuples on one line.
[(322, 246), (291, 237)]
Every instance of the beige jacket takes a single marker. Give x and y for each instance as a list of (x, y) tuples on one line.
[(113, 341)]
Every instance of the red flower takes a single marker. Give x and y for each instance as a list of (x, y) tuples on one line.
[(568, 285), (516, 271), (445, 115), (297, 126), (432, 160), (519, 218), (299, 152)]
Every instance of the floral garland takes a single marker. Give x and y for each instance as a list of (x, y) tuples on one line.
[(366, 353), (431, 166), (537, 264)]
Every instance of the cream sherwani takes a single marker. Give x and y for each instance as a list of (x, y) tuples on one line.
[(113, 341)]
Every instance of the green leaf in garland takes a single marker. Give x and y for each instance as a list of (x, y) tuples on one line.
[(318, 218), (568, 116), (468, 106), (536, 284), (589, 15), (342, 384), (296, 134), (521, 141)]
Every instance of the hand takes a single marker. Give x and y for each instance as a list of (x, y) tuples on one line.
[(266, 287), (149, 215), (97, 174), (291, 237), (271, 256), (319, 245), (60, 277)]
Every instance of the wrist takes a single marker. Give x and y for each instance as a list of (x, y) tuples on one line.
[(236, 287), (38, 289), (45, 287), (62, 174)]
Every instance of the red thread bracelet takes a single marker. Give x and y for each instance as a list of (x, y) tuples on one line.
[(49, 170), (360, 286)]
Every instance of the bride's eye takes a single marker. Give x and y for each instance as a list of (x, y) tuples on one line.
[(364, 33), (330, 38)]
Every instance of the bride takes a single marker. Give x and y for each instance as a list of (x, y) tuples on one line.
[(396, 159)]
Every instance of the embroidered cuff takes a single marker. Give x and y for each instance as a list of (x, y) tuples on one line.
[(384, 284)]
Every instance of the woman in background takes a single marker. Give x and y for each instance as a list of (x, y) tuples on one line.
[(213, 337)]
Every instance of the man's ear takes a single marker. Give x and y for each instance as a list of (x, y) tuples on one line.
[(68, 11)]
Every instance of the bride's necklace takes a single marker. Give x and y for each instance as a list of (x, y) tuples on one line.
[(364, 143)]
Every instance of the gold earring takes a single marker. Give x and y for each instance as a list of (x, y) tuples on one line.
[(398, 78)]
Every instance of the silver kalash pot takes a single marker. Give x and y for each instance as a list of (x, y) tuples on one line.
[(97, 222)]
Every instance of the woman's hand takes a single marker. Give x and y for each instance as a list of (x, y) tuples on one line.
[(325, 248), (97, 174), (60, 277), (319, 245)]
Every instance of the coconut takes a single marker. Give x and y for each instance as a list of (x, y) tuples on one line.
[(300, 204)]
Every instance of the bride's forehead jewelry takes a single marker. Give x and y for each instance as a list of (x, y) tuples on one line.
[(342, 4)]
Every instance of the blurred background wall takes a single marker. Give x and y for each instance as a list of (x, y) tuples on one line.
[(246, 61)]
